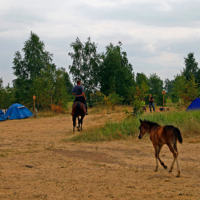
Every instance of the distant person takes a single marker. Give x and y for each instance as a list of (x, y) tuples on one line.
[(151, 99), (79, 94), (143, 105)]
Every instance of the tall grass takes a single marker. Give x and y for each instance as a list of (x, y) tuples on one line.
[(187, 122)]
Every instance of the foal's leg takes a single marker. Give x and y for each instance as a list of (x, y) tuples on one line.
[(157, 150), (175, 154), (161, 162)]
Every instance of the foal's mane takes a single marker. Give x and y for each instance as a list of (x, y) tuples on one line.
[(151, 124)]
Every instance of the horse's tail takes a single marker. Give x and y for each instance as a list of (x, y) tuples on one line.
[(178, 134), (76, 112)]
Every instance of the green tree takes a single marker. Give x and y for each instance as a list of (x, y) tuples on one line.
[(68, 83), (27, 68), (156, 88), (85, 64), (141, 78), (114, 99), (169, 85), (141, 91), (179, 88), (191, 91), (43, 88), (7, 95), (116, 74), (61, 96), (191, 67)]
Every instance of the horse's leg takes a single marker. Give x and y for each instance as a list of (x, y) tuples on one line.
[(158, 151), (78, 127), (156, 156), (81, 122), (175, 154), (74, 124), (175, 146), (178, 167), (172, 165)]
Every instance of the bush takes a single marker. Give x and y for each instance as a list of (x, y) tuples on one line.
[(56, 108)]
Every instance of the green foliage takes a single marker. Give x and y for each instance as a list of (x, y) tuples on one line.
[(141, 91), (156, 88), (186, 90), (169, 85), (116, 72), (43, 88), (191, 67), (61, 97), (33, 65), (7, 96), (37, 75), (136, 111), (191, 91), (137, 107), (114, 99), (179, 87), (140, 78), (132, 92), (98, 99)]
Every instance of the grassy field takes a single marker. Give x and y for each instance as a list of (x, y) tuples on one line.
[(188, 123)]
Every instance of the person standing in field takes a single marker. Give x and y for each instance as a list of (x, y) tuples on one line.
[(151, 99), (79, 94)]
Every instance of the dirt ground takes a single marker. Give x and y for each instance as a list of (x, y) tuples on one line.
[(36, 162)]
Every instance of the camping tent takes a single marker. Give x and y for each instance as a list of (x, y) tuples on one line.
[(2, 117), (18, 111), (195, 105)]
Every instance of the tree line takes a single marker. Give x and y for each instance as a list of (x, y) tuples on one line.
[(107, 75)]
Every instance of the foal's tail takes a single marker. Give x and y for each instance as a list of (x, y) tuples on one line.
[(178, 134), (76, 113)]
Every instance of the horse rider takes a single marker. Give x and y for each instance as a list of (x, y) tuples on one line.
[(79, 94)]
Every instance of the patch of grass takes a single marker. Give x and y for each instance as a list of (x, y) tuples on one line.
[(169, 103), (187, 122), (111, 131)]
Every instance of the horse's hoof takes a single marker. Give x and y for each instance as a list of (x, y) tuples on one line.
[(179, 174), (170, 171), (165, 167), (155, 170)]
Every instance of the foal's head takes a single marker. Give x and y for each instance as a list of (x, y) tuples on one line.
[(145, 126)]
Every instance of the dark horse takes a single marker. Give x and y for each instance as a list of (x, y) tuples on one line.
[(159, 136), (78, 110)]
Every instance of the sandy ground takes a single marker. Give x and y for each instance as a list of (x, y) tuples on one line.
[(36, 162)]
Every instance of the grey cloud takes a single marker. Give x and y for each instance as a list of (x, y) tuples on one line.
[(181, 13)]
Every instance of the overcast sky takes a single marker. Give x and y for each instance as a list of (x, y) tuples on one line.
[(156, 34)]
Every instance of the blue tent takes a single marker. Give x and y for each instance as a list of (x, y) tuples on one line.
[(195, 105), (18, 111), (2, 116)]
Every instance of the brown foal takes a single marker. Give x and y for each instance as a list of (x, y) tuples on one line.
[(160, 135)]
